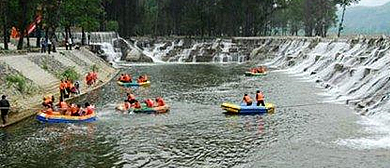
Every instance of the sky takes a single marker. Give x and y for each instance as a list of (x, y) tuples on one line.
[(372, 2)]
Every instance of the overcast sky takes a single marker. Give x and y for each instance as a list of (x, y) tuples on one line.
[(372, 2)]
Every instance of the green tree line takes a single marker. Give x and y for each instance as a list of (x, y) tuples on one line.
[(204, 18)]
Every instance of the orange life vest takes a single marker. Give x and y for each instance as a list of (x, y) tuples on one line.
[(49, 111), (62, 86), (63, 105), (259, 96), (137, 105)]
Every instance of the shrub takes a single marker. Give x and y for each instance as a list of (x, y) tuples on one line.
[(94, 68), (17, 80), (70, 73)]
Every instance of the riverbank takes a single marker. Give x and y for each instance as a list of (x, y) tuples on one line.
[(40, 76)]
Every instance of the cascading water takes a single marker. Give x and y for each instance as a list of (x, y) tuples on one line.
[(185, 50), (355, 72), (106, 41)]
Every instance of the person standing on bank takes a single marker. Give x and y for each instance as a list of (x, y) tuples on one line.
[(4, 106), (48, 45)]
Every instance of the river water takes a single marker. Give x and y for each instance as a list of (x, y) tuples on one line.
[(195, 133)]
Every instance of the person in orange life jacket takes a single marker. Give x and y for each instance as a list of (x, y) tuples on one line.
[(160, 101), (48, 101), (130, 98), (260, 98), (247, 100), (62, 89), (63, 107), (126, 105), (149, 103), (49, 110), (136, 104), (71, 109), (75, 110)]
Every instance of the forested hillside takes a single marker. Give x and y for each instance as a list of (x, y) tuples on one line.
[(210, 18)]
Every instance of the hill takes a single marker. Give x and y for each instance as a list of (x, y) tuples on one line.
[(367, 20)]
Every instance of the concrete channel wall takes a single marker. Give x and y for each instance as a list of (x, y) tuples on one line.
[(41, 70)]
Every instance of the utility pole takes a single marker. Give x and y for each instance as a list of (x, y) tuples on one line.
[(342, 19), (5, 25)]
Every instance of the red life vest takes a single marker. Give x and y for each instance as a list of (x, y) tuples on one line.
[(149, 102)]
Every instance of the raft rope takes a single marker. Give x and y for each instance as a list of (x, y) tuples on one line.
[(385, 95)]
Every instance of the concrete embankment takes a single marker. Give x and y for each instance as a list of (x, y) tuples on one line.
[(41, 77)]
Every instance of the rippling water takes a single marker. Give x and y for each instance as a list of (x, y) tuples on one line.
[(195, 133)]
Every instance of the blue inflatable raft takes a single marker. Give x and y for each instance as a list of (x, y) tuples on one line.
[(133, 84), (244, 109), (44, 118)]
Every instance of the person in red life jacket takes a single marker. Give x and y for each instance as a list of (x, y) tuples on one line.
[(247, 100), (121, 78), (127, 78), (130, 98), (149, 103), (94, 77), (136, 104), (140, 79), (145, 78), (89, 109), (260, 98), (160, 101), (89, 79)]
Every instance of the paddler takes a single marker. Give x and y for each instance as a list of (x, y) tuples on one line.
[(149, 103), (160, 101), (130, 98), (136, 104), (247, 100), (260, 98)]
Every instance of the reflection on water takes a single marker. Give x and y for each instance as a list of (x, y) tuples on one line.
[(194, 134)]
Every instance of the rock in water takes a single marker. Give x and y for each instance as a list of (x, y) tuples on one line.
[(136, 56)]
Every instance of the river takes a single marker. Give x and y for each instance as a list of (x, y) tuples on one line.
[(195, 133)]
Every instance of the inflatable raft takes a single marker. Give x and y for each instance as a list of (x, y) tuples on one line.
[(255, 74), (144, 109), (160, 109), (133, 84), (244, 109), (57, 118)]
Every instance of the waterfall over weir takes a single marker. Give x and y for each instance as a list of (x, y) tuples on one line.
[(355, 72), (190, 50)]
